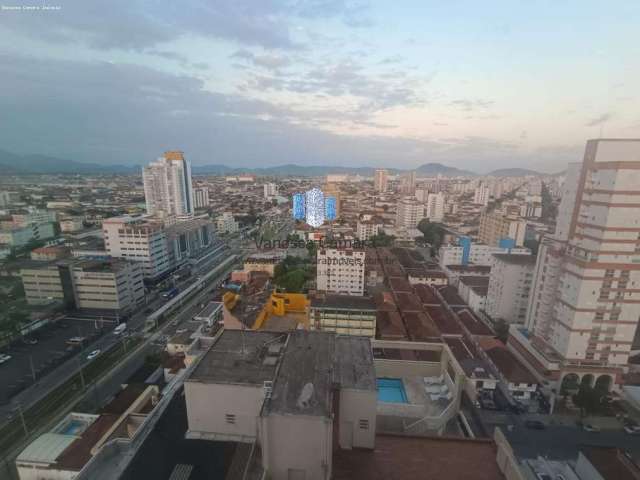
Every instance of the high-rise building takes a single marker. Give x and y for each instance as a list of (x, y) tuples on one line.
[(341, 271), (509, 287), (367, 228), (408, 183), (332, 199), (500, 225), (409, 213), (435, 207), (583, 311), (201, 197), (270, 190), (481, 195), (381, 180), (167, 186)]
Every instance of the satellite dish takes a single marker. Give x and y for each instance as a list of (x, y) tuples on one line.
[(304, 400)]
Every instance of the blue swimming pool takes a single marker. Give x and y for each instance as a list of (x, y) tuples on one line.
[(74, 427), (391, 390)]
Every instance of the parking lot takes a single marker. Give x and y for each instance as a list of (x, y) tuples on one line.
[(50, 350)]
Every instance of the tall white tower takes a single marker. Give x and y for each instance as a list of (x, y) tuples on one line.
[(168, 190)]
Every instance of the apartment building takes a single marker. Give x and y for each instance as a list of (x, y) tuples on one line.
[(498, 225), (138, 239), (270, 190), (365, 229), (481, 195), (509, 287), (583, 312), (168, 190), (408, 183), (435, 207), (201, 197), (343, 314), (381, 180), (409, 213), (341, 271), (226, 223)]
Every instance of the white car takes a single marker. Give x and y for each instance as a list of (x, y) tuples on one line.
[(93, 354), (4, 358)]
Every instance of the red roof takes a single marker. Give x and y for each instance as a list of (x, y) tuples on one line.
[(443, 320)]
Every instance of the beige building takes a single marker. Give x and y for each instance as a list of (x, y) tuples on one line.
[(343, 314), (340, 271), (41, 282), (168, 190), (509, 287), (498, 224), (583, 313), (114, 284), (381, 180), (409, 213), (365, 229)]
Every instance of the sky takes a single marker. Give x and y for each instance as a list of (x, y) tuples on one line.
[(474, 85)]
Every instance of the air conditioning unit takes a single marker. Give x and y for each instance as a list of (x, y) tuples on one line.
[(267, 387)]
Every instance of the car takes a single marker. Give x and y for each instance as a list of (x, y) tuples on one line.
[(30, 341), (4, 358), (588, 427), (181, 330), (535, 424), (93, 354), (632, 429)]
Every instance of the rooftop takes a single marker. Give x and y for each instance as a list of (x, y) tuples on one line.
[(612, 463), (239, 357), (304, 387), (408, 458), (345, 302), (516, 259)]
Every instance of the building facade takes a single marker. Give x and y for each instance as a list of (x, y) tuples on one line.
[(341, 271), (435, 207), (343, 314), (509, 287), (583, 312), (201, 197), (168, 190), (409, 213), (381, 180), (499, 225)]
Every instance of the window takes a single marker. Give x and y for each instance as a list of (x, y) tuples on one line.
[(230, 418), (363, 423)]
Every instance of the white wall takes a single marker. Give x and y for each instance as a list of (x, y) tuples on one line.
[(209, 403), (297, 442), (357, 405)]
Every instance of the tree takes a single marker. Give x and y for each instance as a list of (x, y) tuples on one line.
[(382, 240), (588, 399), (432, 233)]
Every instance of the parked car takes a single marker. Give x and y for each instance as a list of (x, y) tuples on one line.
[(93, 354), (4, 358), (632, 429), (588, 427), (30, 341), (535, 424)]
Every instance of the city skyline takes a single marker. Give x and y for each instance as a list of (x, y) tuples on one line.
[(328, 83)]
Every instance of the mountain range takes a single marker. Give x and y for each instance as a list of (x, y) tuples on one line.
[(14, 164)]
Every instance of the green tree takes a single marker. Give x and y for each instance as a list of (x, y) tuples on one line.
[(432, 233), (589, 399), (382, 240)]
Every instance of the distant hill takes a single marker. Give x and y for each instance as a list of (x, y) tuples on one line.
[(438, 168), (14, 164), (513, 172)]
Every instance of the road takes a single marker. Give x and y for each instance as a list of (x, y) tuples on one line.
[(49, 365)]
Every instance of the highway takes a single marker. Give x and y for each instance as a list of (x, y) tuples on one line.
[(50, 349)]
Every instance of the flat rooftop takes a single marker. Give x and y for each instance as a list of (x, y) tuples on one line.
[(312, 363), (516, 259), (409, 458), (343, 302), (240, 357)]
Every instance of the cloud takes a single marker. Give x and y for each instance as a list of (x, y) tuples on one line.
[(469, 105), (599, 120), (137, 24), (270, 61), (392, 59)]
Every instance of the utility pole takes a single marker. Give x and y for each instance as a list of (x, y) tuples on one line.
[(33, 370), (24, 424)]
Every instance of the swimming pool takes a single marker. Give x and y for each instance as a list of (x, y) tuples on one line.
[(391, 390), (74, 427)]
